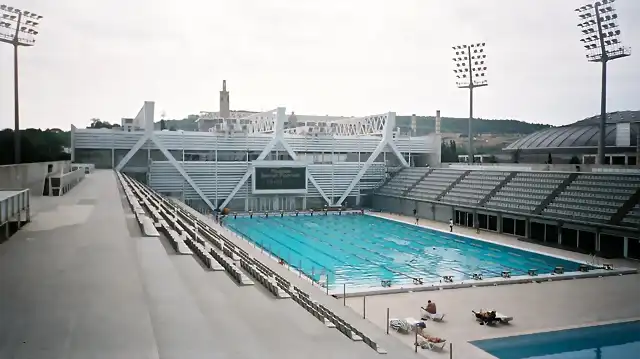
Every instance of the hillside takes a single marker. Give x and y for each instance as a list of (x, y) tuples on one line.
[(424, 124)]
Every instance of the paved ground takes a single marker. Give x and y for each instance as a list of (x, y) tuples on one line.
[(535, 307), (79, 282)]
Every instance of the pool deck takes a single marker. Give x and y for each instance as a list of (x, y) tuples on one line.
[(535, 307)]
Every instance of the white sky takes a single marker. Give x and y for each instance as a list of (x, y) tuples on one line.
[(338, 57)]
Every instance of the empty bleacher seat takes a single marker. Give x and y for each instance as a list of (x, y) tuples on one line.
[(474, 187), (432, 185), (403, 181), (526, 191), (592, 197), (633, 217)]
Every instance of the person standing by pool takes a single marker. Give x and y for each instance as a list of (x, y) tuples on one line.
[(415, 215), (450, 225)]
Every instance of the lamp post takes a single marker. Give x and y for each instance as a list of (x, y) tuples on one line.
[(470, 70), (18, 28), (599, 24)]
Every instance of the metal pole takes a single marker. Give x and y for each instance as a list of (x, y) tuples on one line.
[(387, 321), (603, 94), (450, 350), (326, 281), (470, 106), (364, 307), (603, 113), (415, 344), (16, 105), (344, 294)]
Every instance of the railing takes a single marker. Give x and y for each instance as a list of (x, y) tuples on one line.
[(87, 167), (63, 183)]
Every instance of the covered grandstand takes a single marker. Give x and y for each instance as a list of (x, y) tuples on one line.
[(592, 212), (580, 139)]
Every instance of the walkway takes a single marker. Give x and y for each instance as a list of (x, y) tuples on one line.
[(80, 282)]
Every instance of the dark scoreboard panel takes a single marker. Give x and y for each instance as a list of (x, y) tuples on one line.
[(280, 178)]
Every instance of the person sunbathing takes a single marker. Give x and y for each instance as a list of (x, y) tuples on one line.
[(486, 317)]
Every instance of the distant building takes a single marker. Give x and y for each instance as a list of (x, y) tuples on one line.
[(580, 139)]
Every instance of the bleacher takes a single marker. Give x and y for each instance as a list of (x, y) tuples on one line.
[(434, 184), (526, 191), (219, 253), (593, 197), (632, 218), (403, 181), (474, 187), (587, 197)]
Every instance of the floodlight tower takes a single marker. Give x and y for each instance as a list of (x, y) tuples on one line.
[(470, 71), (18, 28), (599, 23)]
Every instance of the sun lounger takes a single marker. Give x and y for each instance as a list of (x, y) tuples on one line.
[(499, 317), (400, 325), (426, 315), (432, 345)]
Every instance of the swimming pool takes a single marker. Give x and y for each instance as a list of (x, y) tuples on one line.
[(611, 341), (362, 250)]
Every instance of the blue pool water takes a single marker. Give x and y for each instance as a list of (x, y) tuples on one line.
[(612, 341), (362, 250)]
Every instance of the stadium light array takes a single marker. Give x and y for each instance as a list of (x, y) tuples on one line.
[(18, 28), (471, 70), (601, 40)]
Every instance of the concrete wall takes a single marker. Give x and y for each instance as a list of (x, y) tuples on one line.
[(30, 175)]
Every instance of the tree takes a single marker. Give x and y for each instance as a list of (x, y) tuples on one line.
[(448, 153), (36, 145), (97, 123)]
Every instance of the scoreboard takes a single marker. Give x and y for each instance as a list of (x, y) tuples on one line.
[(279, 177)]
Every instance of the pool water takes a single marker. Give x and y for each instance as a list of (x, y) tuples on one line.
[(361, 250), (611, 341)]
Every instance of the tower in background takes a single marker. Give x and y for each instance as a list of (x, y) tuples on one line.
[(224, 101)]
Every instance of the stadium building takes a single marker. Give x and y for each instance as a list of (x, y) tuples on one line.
[(580, 139), (334, 160)]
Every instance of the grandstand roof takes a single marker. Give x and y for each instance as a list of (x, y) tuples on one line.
[(581, 136)]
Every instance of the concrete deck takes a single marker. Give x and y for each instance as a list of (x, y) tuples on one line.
[(535, 306), (80, 282)]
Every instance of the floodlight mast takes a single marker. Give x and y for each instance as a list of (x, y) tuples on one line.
[(25, 23), (470, 71), (603, 45)]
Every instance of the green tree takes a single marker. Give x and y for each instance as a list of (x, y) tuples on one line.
[(97, 123), (36, 145)]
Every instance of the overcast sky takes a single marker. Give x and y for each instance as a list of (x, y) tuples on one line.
[(337, 57)]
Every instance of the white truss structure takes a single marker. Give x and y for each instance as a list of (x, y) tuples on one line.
[(387, 122), (145, 117), (278, 138), (273, 122), (368, 125)]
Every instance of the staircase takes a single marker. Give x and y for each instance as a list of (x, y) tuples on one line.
[(497, 188), (453, 184), (561, 187), (617, 217)]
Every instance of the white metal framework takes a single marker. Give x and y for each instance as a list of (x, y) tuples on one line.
[(389, 121), (278, 138), (145, 116), (224, 176)]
